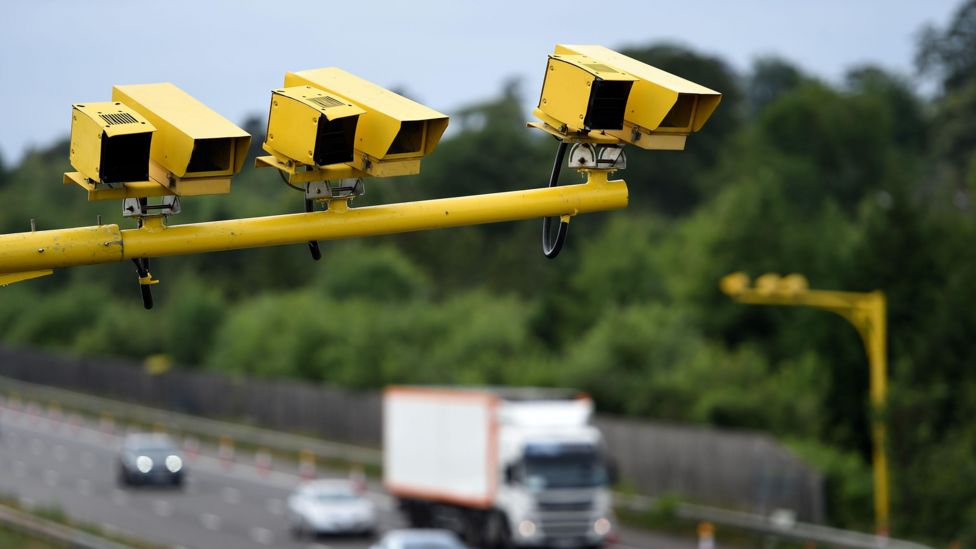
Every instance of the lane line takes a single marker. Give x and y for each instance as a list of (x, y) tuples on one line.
[(262, 535), (231, 495), (51, 477), (210, 521), (163, 508), (120, 498)]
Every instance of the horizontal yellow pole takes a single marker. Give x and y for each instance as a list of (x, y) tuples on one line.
[(41, 250)]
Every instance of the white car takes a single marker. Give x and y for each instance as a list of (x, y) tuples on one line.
[(330, 507), (419, 539)]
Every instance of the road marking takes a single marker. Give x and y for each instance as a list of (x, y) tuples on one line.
[(59, 453), (231, 495), (119, 498), (84, 487), (162, 507), (51, 477), (262, 535), (210, 521), (275, 506), (87, 460)]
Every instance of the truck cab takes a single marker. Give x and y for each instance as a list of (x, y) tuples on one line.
[(555, 474)]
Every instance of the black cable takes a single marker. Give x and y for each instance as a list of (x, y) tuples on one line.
[(143, 270), (286, 182), (552, 250), (313, 246)]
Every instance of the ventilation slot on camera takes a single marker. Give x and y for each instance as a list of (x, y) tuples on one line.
[(116, 118), (325, 101)]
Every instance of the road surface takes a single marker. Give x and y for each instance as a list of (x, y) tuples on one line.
[(70, 464)]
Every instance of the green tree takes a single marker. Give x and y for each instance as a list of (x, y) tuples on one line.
[(950, 54)]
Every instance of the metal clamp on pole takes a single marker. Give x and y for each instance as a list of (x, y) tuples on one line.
[(140, 209), (146, 281), (328, 192)]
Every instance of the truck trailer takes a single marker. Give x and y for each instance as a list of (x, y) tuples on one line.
[(500, 467)]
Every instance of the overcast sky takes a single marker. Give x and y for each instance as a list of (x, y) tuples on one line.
[(446, 53)]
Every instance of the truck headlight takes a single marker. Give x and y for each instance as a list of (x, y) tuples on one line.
[(526, 528), (602, 526)]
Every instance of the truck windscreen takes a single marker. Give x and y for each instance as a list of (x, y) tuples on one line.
[(548, 466)]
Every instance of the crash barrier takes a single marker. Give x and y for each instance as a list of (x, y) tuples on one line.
[(746, 470), (60, 534), (780, 525)]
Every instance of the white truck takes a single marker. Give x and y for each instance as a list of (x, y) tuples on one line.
[(500, 467)]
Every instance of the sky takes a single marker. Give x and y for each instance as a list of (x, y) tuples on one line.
[(446, 53)]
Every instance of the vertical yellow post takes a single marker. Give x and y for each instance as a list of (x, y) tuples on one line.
[(867, 313), (873, 327)]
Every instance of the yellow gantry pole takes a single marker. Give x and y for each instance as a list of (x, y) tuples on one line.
[(867, 312), (31, 254)]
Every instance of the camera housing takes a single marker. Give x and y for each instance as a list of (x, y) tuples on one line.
[(393, 133), (660, 109), (195, 151), (581, 95), (310, 127), (110, 146), (110, 143)]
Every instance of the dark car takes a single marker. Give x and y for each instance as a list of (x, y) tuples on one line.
[(150, 459)]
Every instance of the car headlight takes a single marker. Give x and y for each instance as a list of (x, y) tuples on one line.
[(526, 528), (144, 464), (174, 463), (602, 526)]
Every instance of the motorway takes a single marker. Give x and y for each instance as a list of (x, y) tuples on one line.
[(70, 464)]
